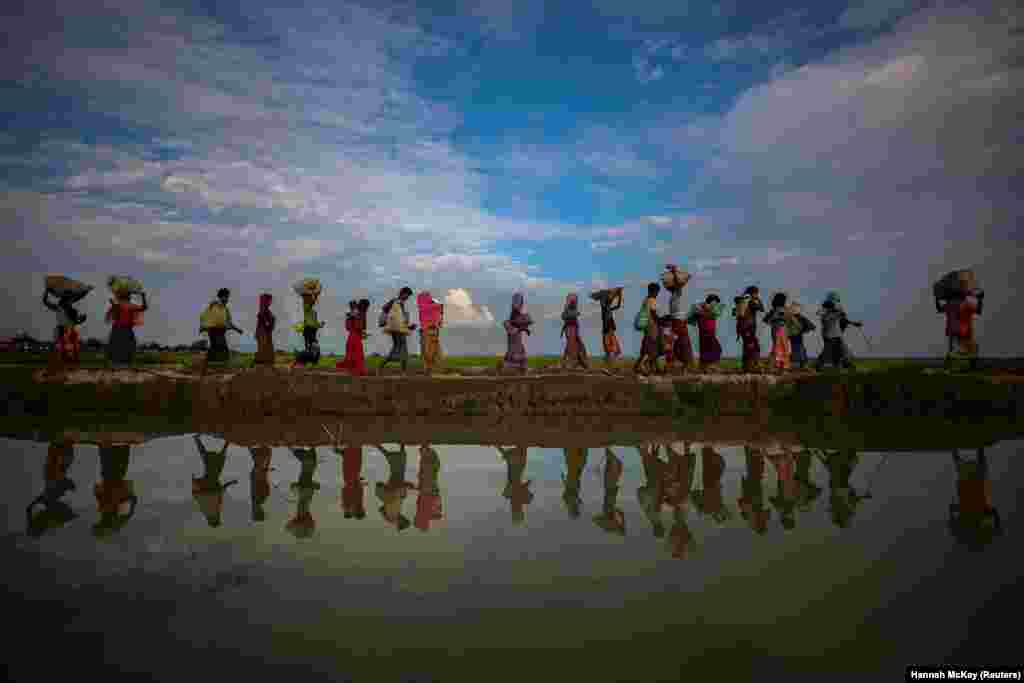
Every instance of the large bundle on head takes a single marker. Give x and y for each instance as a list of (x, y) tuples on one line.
[(64, 286), (308, 285), (608, 297), (674, 277), (124, 283), (957, 282), (742, 305)]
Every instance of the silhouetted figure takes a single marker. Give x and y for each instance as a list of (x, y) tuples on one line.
[(394, 492), (652, 494), (843, 498), (973, 519), (302, 525), (575, 463), (115, 495), (54, 512), (428, 499), (207, 490), (785, 499), (259, 481), (611, 519), (751, 503), (516, 490), (710, 499)]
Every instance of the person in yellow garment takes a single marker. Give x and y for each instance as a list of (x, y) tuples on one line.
[(973, 518)]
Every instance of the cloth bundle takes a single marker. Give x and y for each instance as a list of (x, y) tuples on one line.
[(308, 285), (64, 286), (124, 283), (676, 277), (955, 282)]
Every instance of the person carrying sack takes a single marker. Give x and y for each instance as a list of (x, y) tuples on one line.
[(399, 328)]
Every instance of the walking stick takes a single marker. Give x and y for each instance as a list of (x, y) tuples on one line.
[(866, 339)]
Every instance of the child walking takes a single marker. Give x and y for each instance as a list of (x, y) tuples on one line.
[(575, 351), (265, 322), (355, 324)]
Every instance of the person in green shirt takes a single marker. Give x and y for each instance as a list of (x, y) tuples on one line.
[(310, 328)]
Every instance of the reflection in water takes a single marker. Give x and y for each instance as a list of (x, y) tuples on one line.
[(973, 519), (207, 490), (681, 471), (843, 498), (751, 502), (115, 495), (785, 498), (395, 490), (54, 512), (652, 494), (611, 519), (428, 500), (302, 525), (710, 500), (669, 470), (259, 481), (516, 490), (575, 463), (352, 481)]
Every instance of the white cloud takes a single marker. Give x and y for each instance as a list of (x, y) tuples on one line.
[(459, 309)]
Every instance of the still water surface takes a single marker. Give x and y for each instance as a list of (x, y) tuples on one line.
[(662, 562)]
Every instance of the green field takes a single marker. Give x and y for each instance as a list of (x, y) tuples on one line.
[(187, 360)]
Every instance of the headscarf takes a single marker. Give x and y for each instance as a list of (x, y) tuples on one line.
[(519, 316), (571, 311), (265, 300), (430, 309)]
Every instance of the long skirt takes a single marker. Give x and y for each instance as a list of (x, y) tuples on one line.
[(68, 343), (219, 351), (799, 355), (311, 354), (264, 348), (834, 352), (649, 345), (516, 356), (399, 348), (611, 344), (682, 349), (121, 345), (781, 349), (575, 350), (710, 348), (355, 358), (751, 348), (430, 345)]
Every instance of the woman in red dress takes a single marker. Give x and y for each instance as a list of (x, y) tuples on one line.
[(355, 323)]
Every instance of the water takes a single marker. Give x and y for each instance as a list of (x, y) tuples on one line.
[(478, 594)]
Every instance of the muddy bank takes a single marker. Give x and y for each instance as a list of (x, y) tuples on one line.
[(250, 395), (862, 434)]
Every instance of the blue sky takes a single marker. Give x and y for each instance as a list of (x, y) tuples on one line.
[(490, 147)]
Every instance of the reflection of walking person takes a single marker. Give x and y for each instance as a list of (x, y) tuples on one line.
[(611, 519), (207, 490), (113, 492), (394, 492), (973, 519), (302, 525), (428, 500), (516, 490), (55, 512), (259, 481)]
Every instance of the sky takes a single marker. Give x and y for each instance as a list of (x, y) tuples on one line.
[(475, 149)]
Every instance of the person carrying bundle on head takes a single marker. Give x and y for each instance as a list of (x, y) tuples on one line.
[(216, 322), (833, 324), (611, 301), (123, 317), (309, 289), (682, 350), (952, 298), (66, 341)]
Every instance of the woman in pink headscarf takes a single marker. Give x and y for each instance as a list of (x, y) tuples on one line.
[(431, 319), (575, 351), (518, 324)]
